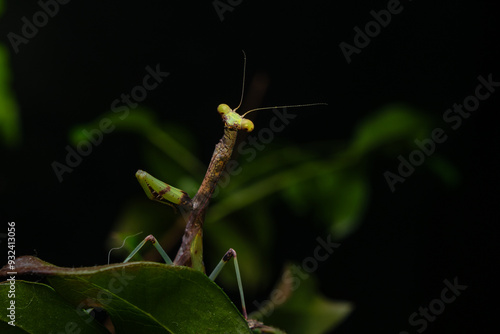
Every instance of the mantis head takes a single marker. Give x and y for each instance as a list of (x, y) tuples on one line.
[(233, 120)]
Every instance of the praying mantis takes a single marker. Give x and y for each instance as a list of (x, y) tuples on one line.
[(190, 253)]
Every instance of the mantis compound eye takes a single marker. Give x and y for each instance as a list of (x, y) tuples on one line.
[(247, 125), (224, 109)]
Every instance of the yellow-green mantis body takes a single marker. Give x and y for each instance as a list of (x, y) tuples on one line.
[(191, 250)]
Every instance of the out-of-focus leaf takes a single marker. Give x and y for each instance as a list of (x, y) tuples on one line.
[(390, 125), (269, 185), (138, 120), (10, 127), (142, 121), (40, 310), (349, 192), (139, 295), (296, 306), (338, 198)]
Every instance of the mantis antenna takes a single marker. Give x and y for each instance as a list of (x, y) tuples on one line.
[(290, 106), (266, 108), (123, 244), (243, 82)]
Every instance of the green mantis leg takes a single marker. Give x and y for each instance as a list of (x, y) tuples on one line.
[(231, 254), (155, 243)]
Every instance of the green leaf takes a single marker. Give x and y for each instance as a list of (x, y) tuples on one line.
[(139, 295), (39, 309)]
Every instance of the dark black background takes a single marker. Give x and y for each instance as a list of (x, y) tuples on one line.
[(429, 57)]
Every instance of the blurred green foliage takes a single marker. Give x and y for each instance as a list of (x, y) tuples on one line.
[(305, 311), (10, 127), (326, 183)]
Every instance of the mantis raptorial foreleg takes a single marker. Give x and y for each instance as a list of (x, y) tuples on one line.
[(230, 254), (159, 191)]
